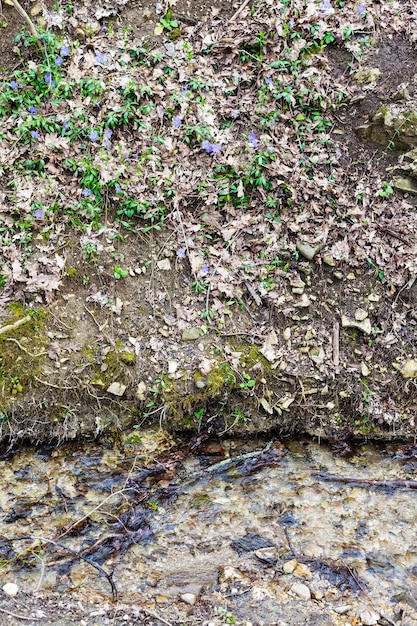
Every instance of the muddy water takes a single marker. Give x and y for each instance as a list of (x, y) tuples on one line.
[(250, 535)]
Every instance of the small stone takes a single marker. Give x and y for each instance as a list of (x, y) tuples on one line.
[(360, 315), (189, 598), (116, 389), (329, 260), (351, 276), (367, 75), (364, 326), (302, 591), (304, 303), (172, 366), (164, 264), (369, 618), (11, 589), (201, 383), (140, 391), (409, 369), (289, 566), (302, 571), (307, 251), (287, 333), (365, 371), (341, 610), (373, 297), (191, 334)]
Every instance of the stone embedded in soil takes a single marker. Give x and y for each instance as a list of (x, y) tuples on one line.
[(116, 389), (409, 369), (302, 591), (364, 326), (191, 334), (189, 598), (11, 589), (369, 618), (164, 265), (307, 251)]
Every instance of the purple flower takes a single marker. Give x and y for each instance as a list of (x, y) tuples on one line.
[(204, 270), (216, 147), (180, 253), (48, 79), (252, 140), (207, 146), (176, 122), (361, 9), (59, 61), (108, 133), (35, 135), (38, 213), (65, 125), (65, 51), (118, 189), (86, 193), (292, 23), (32, 110), (268, 80), (13, 84), (100, 58), (93, 136)]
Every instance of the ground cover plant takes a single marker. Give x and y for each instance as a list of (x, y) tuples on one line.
[(214, 151)]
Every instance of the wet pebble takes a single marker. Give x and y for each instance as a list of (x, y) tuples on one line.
[(302, 591)]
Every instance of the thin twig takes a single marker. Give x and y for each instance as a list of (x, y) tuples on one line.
[(34, 619), (239, 11), (9, 327), (368, 482), (336, 346), (158, 617), (26, 17), (33, 356)]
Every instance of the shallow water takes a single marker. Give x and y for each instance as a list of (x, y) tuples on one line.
[(178, 531)]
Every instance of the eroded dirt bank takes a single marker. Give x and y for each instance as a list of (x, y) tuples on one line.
[(237, 260)]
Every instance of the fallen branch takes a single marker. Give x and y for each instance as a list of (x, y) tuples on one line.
[(17, 616), (9, 327), (368, 482), (26, 17)]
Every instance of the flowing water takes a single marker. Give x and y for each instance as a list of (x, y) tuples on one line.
[(238, 532)]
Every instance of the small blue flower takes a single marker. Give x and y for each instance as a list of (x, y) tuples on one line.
[(65, 51), (207, 146), (49, 80), (176, 122), (216, 147), (100, 58), (180, 253), (93, 136), (268, 80), (32, 110), (66, 125), (361, 9), (118, 189), (59, 61), (38, 213), (292, 23), (86, 193), (253, 140), (13, 84), (204, 270), (35, 135), (108, 133)]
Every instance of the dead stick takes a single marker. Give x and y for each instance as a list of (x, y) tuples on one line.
[(394, 484), (34, 619), (336, 353), (239, 11), (26, 17), (9, 327)]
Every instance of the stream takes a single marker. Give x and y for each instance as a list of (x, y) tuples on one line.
[(231, 532)]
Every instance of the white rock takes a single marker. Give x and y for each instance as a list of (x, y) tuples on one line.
[(302, 591), (409, 369), (164, 264), (369, 618), (116, 389), (189, 598), (141, 390), (11, 589)]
